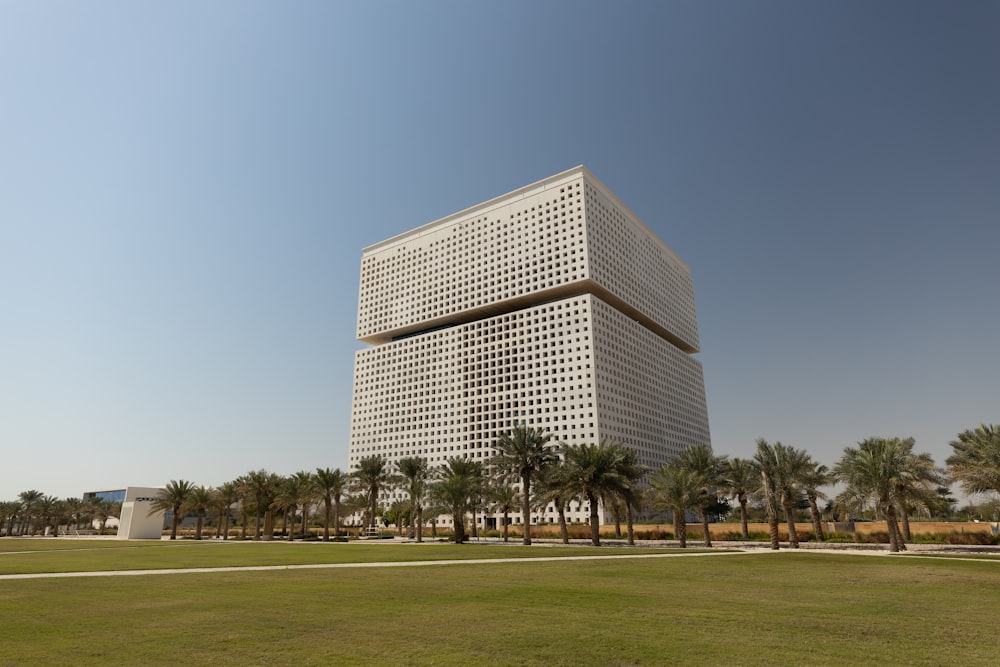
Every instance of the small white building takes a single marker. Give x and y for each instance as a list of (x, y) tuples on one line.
[(138, 521)]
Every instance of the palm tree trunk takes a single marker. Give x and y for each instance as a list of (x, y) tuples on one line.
[(506, 528), (459, 529), (327, 502), (173, 524), (595, 530), (817, 524), (268, 525), (201, 522), (680, 528), (628, 522), (772, 528), (904, 518), (305, 518), (563, 531), (743, 516), (793, 536), (890, 524), (420, 522), (704, 526), (526, 507), (336, 517)]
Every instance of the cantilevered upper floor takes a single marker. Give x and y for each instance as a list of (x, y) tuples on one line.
[(562, 236)]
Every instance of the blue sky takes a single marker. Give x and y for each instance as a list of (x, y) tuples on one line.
[(185, 189)]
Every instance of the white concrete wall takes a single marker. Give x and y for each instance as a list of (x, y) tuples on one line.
[(137, 521)]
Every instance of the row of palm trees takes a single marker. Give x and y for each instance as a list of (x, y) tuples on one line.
[(880, 474), (528, 471), (555, 474), (263, 494), (884, 475), (35, 512)]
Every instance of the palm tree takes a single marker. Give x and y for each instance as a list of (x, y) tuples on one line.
[(245, 495), (76, 508), (330, 485), (874, 473), (358, 502), (975, 459), (415, 473), (631, 474), (676, 489), (172, 498), (198, 501), (552, 487), (261, 486), (593, 471), (458, 483), (814, 476), (700, 460), (916, 488), (371, 476), (784, 468), (738, 478), (9, 510), (794, 464), (103, 509), (306, 485), (287, 500), (45, 507), (521, 455), (504, 500), (225, 496), (28, 500), (766, 462)]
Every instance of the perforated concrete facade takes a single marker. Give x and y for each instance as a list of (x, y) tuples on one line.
[(552, 306)]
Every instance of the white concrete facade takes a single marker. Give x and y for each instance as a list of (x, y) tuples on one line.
[(552, 306), (137, 521)]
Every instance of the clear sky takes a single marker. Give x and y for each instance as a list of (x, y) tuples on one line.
[(185, 190)]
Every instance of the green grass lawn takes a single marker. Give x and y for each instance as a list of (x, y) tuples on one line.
[(752, 609), (28, 556)]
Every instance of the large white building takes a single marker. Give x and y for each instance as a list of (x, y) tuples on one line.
[(552, 306)]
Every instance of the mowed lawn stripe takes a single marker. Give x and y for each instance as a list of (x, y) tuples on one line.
[(375, 564), (216, 554)]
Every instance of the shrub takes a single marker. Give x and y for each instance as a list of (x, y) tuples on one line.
[(874, 537), (761, 536), (840, 537), (969, 538)]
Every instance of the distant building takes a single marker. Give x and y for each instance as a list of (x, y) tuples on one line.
[(553, 307), (115, 496)]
